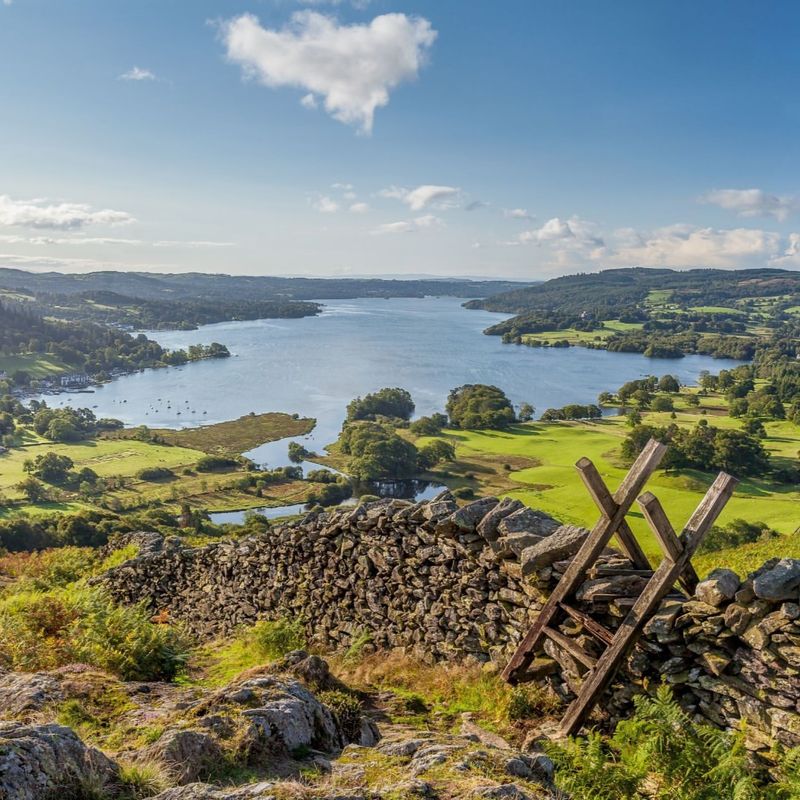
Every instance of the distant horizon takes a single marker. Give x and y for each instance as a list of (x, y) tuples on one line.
[(387, 277)]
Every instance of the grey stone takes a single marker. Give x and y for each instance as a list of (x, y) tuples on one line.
[(487, 527), (782, 582), (565, 542), (526, 520), (187, 755), (467, 517), (38, 761), (720, 586)]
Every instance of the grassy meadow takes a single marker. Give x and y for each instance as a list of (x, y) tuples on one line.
[(534, 462), (121, 456)]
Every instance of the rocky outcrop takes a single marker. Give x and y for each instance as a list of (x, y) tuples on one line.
[(39, 761), (452, 582)]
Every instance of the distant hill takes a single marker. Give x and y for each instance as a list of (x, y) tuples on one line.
[(140, 300), (616, 288), (199, 286)]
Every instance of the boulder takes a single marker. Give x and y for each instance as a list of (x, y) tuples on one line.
[(781, 582), (565, 542), (38, 761), (24, 692), (720, 586), (187, 755)]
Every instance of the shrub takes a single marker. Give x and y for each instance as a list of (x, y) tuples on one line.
[(155, 474), (464, 492), (347, 709), (393, 403), (44, 630), (737, 532), (274, 639), (215, 463)]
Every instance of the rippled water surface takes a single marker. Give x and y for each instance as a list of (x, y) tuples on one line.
[(314, 366)]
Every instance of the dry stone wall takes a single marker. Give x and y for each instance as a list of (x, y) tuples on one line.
[(450, 582)]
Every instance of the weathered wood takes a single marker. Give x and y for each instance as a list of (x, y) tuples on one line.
[(607, 505), (665, 576), (614, 572), (665, 534), (570, 646), (595, 542), (600, 632)]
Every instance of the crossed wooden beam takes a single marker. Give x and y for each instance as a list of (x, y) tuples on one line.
[(675, 567)]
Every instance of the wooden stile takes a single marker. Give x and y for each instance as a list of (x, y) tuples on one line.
[(675, 567)]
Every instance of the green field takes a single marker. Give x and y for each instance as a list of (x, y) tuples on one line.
[(716, 310), (121, 456), (541, 457), (610, 327), (37, 366)]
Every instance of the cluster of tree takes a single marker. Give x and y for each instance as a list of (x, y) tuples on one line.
[(572, 411), (478, 406), (429, 426), (112, 308), (376, 452), (331, 489), (736, 533), (216, 463), (69, 424), (57, 471), (390, 403), (703, 447), (297, 453)]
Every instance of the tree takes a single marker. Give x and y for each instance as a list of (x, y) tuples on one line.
[(33, 490), (298, 453), (739, 453), (633, 418), (393, 403), (754, 427), (377, 452), (669, 384), (428, 426), (435, 452), (50, 467), (478, 406), (662, 404), (526, 412)]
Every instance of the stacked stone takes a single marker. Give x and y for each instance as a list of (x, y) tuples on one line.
[(447, 582), (427, 576), (733, 651)]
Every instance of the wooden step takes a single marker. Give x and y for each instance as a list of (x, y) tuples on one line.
[(570, 646), (600, 632)]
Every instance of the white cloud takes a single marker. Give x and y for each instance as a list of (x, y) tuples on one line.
[(517, 213), (63, 216), (361, 4), (326, 205), (353, 67), (395, 227), (138, 74), (574, 231), (359, 208), (790, 257), (409, 226), (427, 221), (50, 241), (691, 246), (751, 202), (309, 101), (344, 187), (423, 196)]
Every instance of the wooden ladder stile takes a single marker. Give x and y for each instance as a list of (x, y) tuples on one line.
[(675, 567)]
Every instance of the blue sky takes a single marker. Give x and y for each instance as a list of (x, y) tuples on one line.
[(503, 139)]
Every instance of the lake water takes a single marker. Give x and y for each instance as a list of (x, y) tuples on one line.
[(315, 365)]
